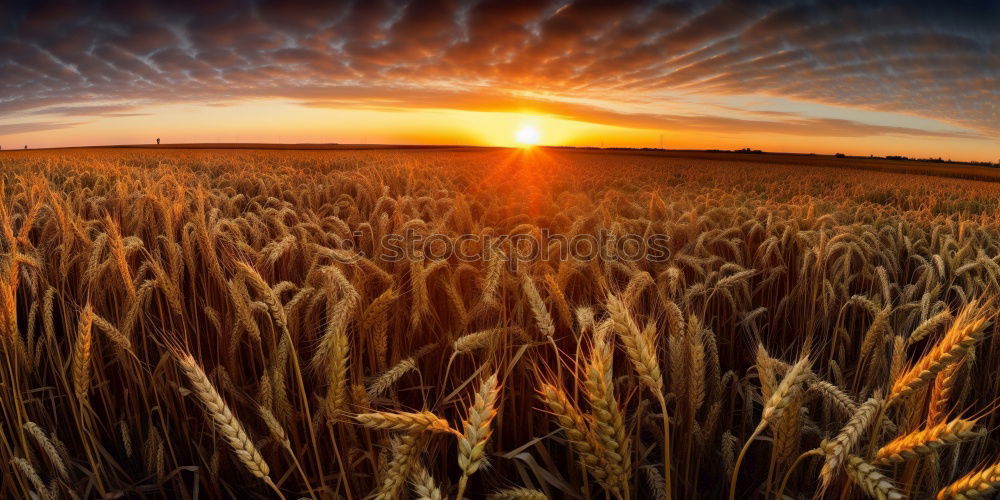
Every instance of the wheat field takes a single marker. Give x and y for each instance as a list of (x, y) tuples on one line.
[(184, 324)]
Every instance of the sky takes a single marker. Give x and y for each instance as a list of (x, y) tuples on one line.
[(906, 77)]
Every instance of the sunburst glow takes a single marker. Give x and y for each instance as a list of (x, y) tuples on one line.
[(527, 135)]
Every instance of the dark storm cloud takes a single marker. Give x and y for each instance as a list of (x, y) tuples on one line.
[(933, 59)]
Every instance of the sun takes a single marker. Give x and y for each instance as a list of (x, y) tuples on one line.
[(527, 135)]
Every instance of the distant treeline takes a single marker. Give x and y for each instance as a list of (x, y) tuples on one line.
[(925, 160), (758, 151)]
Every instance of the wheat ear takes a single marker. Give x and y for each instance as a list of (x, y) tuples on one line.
[(115, 336), (225, 421), (871, 480), (405, 453), (543, 320), (786, 393), (405, 422), (784, 396), (838, 398), (481, 339), (926, 441), (640, 346), (944, 385), (517, 494), (976, 484), (423, 484), (81, 354), (390, 377), (608, 423), (32, 475), (335, 339), (573, 425), (838, 448), (277, 431), (46, 445), (964, 332), (267, 295), (472, 442), (925, 328)]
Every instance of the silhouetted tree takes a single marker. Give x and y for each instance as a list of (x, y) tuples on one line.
[(157, 141)]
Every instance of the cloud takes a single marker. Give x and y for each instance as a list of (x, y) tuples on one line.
[(22, 128), (781, 122), (913, 57), (92, 110)]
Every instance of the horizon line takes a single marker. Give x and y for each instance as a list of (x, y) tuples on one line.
[(332, 146)]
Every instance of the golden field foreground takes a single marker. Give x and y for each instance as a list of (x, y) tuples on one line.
[(185, 324)]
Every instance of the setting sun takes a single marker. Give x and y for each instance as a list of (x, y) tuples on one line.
[(527, 135)]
